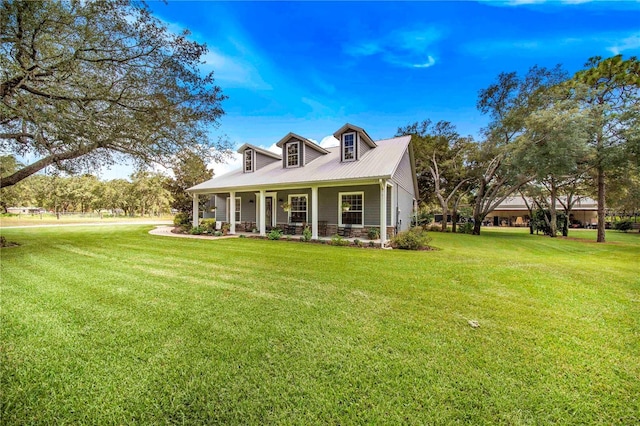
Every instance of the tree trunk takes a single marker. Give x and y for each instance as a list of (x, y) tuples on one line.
[(454, 220), (601, 205), (445, 212), (553, 220), (477, 224)]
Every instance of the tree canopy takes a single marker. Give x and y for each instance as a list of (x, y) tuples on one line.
[(83, 82)]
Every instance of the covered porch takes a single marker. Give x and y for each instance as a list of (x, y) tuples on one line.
[(349, 210)]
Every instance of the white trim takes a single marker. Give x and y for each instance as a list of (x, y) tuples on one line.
[(239, 211), (274, 211), (253, 160), (342, 147), (340, 194), (306, 196), (286, 154), (393, 198), (314, 212)]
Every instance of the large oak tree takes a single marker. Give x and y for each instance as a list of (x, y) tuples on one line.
[(83, 82)]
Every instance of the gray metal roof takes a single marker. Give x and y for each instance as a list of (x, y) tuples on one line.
[(379, 162)]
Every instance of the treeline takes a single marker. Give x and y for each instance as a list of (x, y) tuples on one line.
[(551, 137), (145, 194)]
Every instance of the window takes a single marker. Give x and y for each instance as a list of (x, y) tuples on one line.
[(248, 160), (293, 154), (349, 147), (351, 205), (238, 206), (298, 212)]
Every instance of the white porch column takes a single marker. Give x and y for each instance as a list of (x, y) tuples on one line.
[(314, 212), (196, 210), (232, 212), (263, 214), (383, 211)]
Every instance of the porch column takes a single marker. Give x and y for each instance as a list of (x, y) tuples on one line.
[(196, 208), (383, 211), (314, 212), (263, 214), (232, 212)]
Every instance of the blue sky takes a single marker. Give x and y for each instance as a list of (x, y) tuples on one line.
[(310, 67)]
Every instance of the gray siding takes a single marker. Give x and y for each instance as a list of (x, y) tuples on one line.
[(221, 210), (362, 147), (328, 203), (403, 176), (281, 215), (311, 154), (262, 160), (247, 208), (405, 205)]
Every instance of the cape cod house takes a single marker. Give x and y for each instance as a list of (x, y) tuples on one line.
[(358, 185)]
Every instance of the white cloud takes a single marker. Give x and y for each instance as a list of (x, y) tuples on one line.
[(234, 71), (404, 48), (430, 62), (232, 163), (275, 149), (329, 141), (629, 43)]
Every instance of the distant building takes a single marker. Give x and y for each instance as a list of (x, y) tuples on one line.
[(25, 210), (514, 212)]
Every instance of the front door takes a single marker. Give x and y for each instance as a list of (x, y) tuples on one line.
[(269, 211)]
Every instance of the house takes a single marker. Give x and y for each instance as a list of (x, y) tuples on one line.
[(513, 211), (358, 185)]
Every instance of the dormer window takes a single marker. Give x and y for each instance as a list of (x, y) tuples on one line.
[(293, 154), (349, 147), (248, 161)]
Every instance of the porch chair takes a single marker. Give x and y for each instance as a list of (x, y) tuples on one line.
[(322, 228), (345, 231)]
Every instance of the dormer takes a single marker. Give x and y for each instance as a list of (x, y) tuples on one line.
[(298, 151), (354, 142), (254, 158)]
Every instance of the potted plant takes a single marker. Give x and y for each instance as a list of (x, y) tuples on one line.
[(286, 206), (346, 206), (212, 209), (225, 228)]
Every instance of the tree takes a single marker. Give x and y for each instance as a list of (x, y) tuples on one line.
[(150, 192), (552, 147), (508, 102), (443, 154), (82, 83), (188, 170), (610, 90), (8, 196)]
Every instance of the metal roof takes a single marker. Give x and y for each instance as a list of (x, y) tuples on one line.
[(379, 162), (258, 149), (518, 203)]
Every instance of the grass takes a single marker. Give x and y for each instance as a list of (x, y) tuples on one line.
[(112, 325), (74, 218)]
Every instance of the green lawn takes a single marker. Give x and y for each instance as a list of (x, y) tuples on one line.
[(110, 325)]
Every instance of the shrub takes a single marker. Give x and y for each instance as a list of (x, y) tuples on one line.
[(196, 230), (274, 234), (373, 233), (182, 219), (242, 236), (465, 228), (208, 225), (218, 233), (337, 240), (414, 239), (624, 225), (357, 242), (306, 234)]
